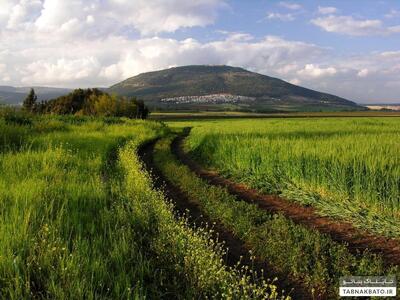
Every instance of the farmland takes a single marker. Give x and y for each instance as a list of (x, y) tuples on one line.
[(100, 207), (308, 256), (346, 168)]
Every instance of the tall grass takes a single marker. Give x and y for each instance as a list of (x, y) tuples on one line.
[(79, 219), (56, 226), (313, 258), (347, 168), (11, 136)]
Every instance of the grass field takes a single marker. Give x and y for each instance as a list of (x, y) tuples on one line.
[(80, 219), (348, 168)]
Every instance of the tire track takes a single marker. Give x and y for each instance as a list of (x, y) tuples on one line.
[(237, 249), (355, 239)]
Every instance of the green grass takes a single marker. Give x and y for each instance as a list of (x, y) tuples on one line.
[(80, 219), (11, 136), (347, 168), (307, 255)]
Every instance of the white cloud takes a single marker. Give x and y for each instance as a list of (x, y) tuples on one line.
[(100, 42), (61, 70), (3, 74), (326, 10), (107, 61), (288, 69), (111, 59), (393, 13), (22, 13), (58, 13), (90, 19), (349, 26), (102, 62), (158, 15), (391, 54), (240, 37), (236, 36), (311, 70), (295, 81), (361, 77), (111, 16), (363, 73), (281, 17), (289, 5)]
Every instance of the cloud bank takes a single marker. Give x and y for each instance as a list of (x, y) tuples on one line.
[(77, 43), (350, 26)]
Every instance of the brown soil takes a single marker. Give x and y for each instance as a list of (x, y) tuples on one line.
[(355, 239), (237, 249)]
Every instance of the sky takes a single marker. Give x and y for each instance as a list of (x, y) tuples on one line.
[(347, 48)]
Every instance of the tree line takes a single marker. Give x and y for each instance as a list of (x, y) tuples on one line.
[(88, 102)]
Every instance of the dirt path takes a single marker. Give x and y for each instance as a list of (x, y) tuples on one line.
[(339, 231), (237, 249)]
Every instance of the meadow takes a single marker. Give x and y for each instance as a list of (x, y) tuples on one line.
[(347, 168), (81, 219)]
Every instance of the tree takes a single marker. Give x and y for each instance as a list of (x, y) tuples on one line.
[(93, 102), (106, 105), (141, 110), (30, 101), (126, 108)]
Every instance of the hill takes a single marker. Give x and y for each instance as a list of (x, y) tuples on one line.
[(16, 95), (219, 88)]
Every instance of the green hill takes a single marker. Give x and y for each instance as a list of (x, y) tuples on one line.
[(225, 88)]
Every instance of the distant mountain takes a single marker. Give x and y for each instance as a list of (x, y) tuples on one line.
[(204, 87), (16, 95)]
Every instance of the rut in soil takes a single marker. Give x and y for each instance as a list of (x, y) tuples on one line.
[(238, 251), (355, 239)]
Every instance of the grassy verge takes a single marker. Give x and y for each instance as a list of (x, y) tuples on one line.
[(305, 254), (79, 219)]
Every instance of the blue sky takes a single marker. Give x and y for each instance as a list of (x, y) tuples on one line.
[(348, 48), (251, 17)]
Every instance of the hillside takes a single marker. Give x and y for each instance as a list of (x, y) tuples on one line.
[(15, 95), (225, 88)]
